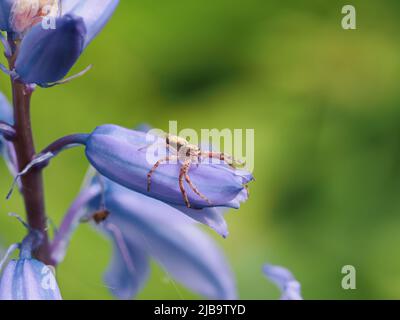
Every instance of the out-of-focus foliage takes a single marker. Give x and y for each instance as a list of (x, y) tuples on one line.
[(325, 107)]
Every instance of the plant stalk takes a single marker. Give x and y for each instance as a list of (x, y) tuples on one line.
[(32, 183)]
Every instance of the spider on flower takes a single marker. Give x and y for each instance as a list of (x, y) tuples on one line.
[(188, 154)]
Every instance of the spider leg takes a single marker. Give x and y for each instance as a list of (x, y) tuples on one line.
[(156, 165), (184, 168), (193, 187), (221, 156)]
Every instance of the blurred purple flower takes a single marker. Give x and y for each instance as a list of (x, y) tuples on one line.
[(7, 150), (142, 227), (46, 55), (6, 115), (27, 278), (285, 281), (120, 154)]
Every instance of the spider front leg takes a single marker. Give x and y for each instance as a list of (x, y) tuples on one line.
[(184, 168), (156, 165), (192, 186), (223, 157)]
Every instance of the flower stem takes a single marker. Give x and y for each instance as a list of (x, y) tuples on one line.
[(66, 142), (31, 183)]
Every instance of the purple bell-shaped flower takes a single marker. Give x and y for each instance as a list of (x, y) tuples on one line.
[(26, 278)]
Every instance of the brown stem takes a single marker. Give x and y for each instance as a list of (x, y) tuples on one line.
[(31, 183)]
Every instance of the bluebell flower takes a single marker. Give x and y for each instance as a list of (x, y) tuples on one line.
[(142, 228), (46, 55), (121, 155), (26, 278), (5, 9), (144, 225), (290, 288)]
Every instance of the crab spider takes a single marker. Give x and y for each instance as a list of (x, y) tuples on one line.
[(188, 154)]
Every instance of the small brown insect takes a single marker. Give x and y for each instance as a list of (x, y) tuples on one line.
[(188, 154), (98, 216)]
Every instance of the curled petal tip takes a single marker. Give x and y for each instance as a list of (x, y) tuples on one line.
[(95, 13), (290, 288)]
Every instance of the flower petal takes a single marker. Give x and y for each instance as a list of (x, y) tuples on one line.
[(286, 282), (79, 208), (128, 270), (47, 55), (28, 279), (150, 227), (68, 5), (5, 9), (95, 13), (184, 251), (6, 111), (7, 150), (212, 217)]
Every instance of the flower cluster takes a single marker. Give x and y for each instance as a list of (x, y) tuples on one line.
[(143, 223), (141, 228)]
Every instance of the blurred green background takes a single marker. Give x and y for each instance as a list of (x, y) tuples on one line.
[(324, 103)]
